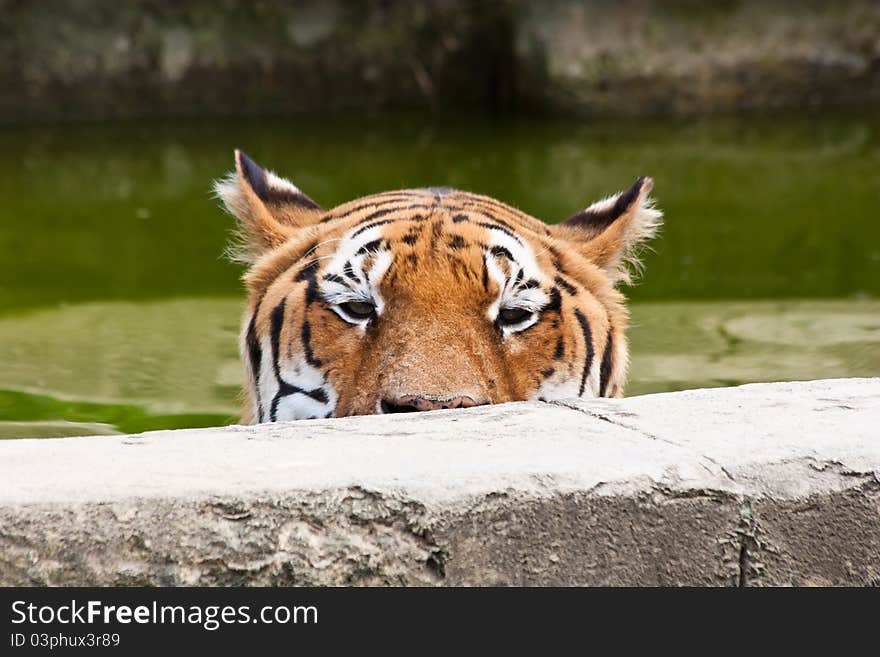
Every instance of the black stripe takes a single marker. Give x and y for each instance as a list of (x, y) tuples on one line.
[(285, 390), (501, 251), (334, 278), (380, 200), (255, 354), (530, 284), (565, 285), (348, 270), (410, 238), (309, 273), (557, 258), (275, 334), (495, 226), (495, 220), (306, 336), (548, 372), (457, 242), (457, 219), (370, 247), (588, 341), (387, 211), (605, 368), (560, 348), (367, 227), (555, 304)]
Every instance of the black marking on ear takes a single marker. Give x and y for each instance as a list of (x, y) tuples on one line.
[(305, 335), (601, 219), (255, 355), (555, 304), (457, 219), (457, 242), (370, 247), (309, 274), (565, 285), (259, 182), (560, 348), (605, 367), (588, 342), (254, 174), (279, 196), (548, 372), (501, 251)]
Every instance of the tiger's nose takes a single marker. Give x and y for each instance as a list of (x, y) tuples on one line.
[(414, 403)]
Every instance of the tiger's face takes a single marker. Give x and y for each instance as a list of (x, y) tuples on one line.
[(424, 299)]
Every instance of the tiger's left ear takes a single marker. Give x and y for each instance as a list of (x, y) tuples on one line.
[(610, 232), (270, 209)]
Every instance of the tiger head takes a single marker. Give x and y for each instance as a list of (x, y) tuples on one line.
[(423, 299)]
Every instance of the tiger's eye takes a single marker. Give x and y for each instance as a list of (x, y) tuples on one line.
[(513, 315), (358, 309)]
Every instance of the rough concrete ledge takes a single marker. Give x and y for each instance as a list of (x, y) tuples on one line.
[(765, 484)]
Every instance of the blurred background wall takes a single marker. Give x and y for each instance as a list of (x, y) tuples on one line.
[(63, 59)]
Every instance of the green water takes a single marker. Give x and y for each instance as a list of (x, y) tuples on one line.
[(118, 313)]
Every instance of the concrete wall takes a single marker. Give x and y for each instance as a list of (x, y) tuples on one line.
[(92, 58), (765, 484)]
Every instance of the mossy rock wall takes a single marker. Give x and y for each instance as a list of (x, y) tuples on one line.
[(93, 59)]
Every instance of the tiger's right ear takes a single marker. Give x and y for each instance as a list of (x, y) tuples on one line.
[(269, 208)]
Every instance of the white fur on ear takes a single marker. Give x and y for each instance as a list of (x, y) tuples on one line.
[(638, 231), (228, 190), (280, 185), (613, 232), (268, 207)]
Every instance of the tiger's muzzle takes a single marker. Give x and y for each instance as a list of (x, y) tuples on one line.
[(416, 403)]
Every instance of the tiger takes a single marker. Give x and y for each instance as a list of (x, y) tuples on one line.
[(426, 299)]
